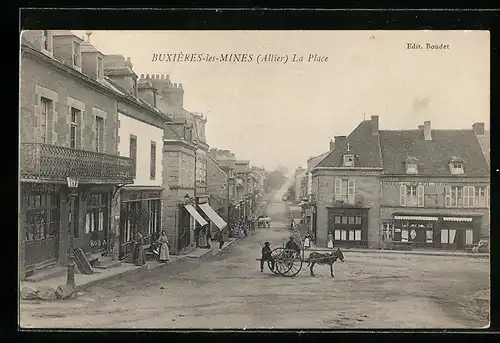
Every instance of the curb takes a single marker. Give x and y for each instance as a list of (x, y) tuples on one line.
[(89, 284), (378, 251)]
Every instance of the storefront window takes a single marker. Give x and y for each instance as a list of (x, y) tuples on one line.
[(42, 216), (95, 211)]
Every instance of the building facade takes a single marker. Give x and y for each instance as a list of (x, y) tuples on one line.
[(435, 187), (422, 187), (226, 162), (242, 169), (68, 126)]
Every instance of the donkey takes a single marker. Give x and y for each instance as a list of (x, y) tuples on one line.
[(328, 258)]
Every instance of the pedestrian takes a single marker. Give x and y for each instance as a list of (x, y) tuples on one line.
[(292, 224), (209, 237), (330, 244), (221, 239), (266, 256), (140, 256), (307, 241), (164, 251)]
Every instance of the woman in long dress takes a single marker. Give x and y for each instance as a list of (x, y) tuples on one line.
[(164, 252), (330, 241), (307, 241)]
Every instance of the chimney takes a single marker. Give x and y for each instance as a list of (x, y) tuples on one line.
[(332, 145), (147, 92), (339, 139), (374, 125), (118, 70), (427, 130), (478, 129)]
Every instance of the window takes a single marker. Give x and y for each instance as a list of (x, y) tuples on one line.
[(154, 215), (388, 231), (100, 69), (348, 160), (46, 107), (347, 235), (133, 151), (153, 161), (469, 237), (428, 236), (345, 190), (453, 197), (99, 134), (96, 212), (456, 168), (73, 128), (404, 235), (42, 216), (481, 196), (411, 195), (337, 219), (468, 196), (411, 168), (76, 55), (448, 236)]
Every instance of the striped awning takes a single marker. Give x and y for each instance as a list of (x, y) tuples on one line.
[(214, 217), (416, 218), (457, 219), (192, 211)]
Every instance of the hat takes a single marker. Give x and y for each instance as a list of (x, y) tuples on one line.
[(291, 237), (266, 243)]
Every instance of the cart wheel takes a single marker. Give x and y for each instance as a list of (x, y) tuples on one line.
[(280, 261), (295, 262)]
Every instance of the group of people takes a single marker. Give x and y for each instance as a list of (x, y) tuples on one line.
[(160, 247), (242, 226), (267, 252)]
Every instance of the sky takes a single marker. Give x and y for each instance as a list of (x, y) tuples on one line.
[(283, 113)]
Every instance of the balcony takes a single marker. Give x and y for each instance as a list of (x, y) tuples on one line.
[(52, 163)]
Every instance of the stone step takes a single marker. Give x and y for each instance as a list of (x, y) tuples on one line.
[(46, 274)]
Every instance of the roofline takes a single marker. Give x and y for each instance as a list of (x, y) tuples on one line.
[(347, 168), (434, 175), (85, 79), (217, 165)]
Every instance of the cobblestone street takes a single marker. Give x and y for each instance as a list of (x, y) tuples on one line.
[(228, 291)]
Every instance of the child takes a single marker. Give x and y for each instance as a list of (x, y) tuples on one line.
[(266, 256)]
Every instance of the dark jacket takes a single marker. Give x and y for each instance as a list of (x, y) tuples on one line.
[(266, 252), (292, 246)]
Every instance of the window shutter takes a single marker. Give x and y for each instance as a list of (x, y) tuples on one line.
[(447, 197), (351, 190), (444, 236), (465, 196), (420, 196), (402, 193), (487, 196), (338, 189)]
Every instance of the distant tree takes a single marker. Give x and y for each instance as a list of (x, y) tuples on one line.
[(275, 180)]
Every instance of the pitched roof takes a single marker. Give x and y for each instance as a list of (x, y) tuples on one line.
[(362, 143), (484, 141), (433, 155)]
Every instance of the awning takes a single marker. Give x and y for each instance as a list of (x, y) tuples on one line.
[(192, 211), (416, 218), (302, 203), (214, 217), (457, 219)]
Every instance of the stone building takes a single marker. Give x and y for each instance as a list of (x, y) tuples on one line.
[(68, 128), (422, 187), (435, 187), (242, 169), (218, 189), (226, 162), (346, 188)]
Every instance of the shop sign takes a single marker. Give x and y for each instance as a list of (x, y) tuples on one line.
[(98, 243)]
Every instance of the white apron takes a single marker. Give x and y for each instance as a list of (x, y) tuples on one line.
[(307, 243), (330, 244)]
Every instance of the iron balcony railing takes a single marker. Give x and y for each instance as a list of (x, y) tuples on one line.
[(46, 162)]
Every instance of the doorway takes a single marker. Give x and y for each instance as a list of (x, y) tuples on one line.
[(460, 239)]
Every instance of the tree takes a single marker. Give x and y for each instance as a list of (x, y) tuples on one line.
[(275, 180)]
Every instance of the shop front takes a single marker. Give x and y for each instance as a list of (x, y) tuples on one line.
[(140, 211), (189, 217), (349, 226), (440, 231)]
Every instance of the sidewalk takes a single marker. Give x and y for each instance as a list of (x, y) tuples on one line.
[(214, 251), (411, 252), (99, 276)]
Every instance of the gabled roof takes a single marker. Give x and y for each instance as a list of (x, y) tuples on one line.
[(362, 143), (433, 155)]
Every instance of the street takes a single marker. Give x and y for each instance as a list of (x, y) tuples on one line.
[(370, 290)]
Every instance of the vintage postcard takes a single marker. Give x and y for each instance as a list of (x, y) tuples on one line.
[(254, 179)]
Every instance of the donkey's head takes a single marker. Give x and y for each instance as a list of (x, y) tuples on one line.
[(339, 255)]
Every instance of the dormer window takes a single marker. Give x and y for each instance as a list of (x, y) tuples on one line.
[(411, 168), (77, 61), (348, 160), (100, 68), (47, 41), (456, 166)]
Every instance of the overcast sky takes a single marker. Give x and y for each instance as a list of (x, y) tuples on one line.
[(277, 113)]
